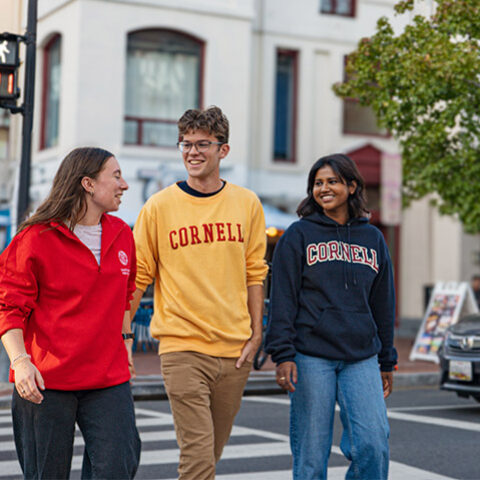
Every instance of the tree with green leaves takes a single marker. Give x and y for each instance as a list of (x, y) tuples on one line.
[(424, 86)]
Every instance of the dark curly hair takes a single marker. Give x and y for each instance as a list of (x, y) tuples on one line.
[(211, 120), (347, 171)]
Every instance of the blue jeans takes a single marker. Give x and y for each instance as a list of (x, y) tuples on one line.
[(44, 433), (357, 387)]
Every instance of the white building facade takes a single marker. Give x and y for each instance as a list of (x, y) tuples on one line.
[(119, 73)]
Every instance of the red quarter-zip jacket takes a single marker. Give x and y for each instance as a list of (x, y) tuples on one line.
[(70, 308)]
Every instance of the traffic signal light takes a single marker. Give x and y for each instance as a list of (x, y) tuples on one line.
[(9, 62)]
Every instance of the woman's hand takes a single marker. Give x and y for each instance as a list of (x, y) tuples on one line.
[(28, 381), (286, 375)]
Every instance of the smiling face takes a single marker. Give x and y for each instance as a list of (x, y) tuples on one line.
[(107, 188), (331, 193), (203, 167)]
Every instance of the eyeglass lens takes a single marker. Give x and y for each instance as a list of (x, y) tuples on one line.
[(200, 145)]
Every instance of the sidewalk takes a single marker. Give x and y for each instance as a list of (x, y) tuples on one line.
[(149, 383), (148, 363)]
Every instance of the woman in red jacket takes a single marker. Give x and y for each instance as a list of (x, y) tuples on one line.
[(66, 282)]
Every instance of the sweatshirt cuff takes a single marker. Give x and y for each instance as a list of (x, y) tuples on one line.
[(11, 324), (387, 368), (284, 357), (142, 284), (388, 359)]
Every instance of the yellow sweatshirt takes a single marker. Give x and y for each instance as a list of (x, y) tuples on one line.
[(202, 252)]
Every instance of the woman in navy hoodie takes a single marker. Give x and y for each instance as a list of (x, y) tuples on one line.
[(331, 325)]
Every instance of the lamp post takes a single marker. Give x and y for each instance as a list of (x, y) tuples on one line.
[(29, 86)]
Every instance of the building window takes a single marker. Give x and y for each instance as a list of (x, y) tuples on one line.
[(164, 78), (51, 93), (359, 119), (285, 106), (338, 7)]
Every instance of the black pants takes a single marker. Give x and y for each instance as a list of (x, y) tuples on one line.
[(44, 433)]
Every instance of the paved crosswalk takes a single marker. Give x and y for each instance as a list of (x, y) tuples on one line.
[(159, 448), (160, 454)]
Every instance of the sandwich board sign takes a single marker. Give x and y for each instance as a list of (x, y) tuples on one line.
[(449, 302)]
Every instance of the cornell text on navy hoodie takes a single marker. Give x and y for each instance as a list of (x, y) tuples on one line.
[(332, 293)]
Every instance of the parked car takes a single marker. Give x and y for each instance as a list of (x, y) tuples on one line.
[(460, 357)]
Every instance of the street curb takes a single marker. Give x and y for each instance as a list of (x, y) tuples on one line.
[(263, 383), (151, 387), (421, 379)]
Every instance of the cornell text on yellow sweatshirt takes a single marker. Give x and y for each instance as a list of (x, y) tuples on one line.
[(203, 253)]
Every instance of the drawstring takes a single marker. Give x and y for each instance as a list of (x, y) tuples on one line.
[(344, 257), (345, 276), (352, 270)]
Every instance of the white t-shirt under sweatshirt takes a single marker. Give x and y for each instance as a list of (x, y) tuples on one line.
[(91, 236)]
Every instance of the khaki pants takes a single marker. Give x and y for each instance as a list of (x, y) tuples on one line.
[(205, 395)]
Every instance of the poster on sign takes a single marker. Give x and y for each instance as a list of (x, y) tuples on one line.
[(448, 303)]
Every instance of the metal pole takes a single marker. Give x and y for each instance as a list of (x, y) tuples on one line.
[(29, 91)]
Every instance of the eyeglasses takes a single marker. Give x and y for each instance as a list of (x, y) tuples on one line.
[(200, 145)]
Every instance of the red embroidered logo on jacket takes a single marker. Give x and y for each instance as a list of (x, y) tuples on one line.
[(206, 233)]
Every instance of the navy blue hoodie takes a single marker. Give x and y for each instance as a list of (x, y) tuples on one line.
[(332, 293)]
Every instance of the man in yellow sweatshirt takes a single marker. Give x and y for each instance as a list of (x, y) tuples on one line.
[(203, 243)]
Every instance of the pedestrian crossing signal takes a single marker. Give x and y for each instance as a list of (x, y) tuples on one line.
[(7, 85), (9, 62)]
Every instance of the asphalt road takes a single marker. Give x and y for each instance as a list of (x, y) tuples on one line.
[(434, 436)]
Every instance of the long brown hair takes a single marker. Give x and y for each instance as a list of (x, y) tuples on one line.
[(66, 201), (347, 171)]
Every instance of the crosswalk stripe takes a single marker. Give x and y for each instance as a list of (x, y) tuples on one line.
[(275, 475), (280, 401), (149, 422), (10, 467), (7, 446), (152, 413), (5, 431), (397, 471), (159, 457), (442, 422), (169, 435), (469, 406), (141, 422), (261, 433), (400, 471), (399, 414), (162, 457)]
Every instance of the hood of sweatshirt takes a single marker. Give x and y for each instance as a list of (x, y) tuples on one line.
[(322, 219)]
